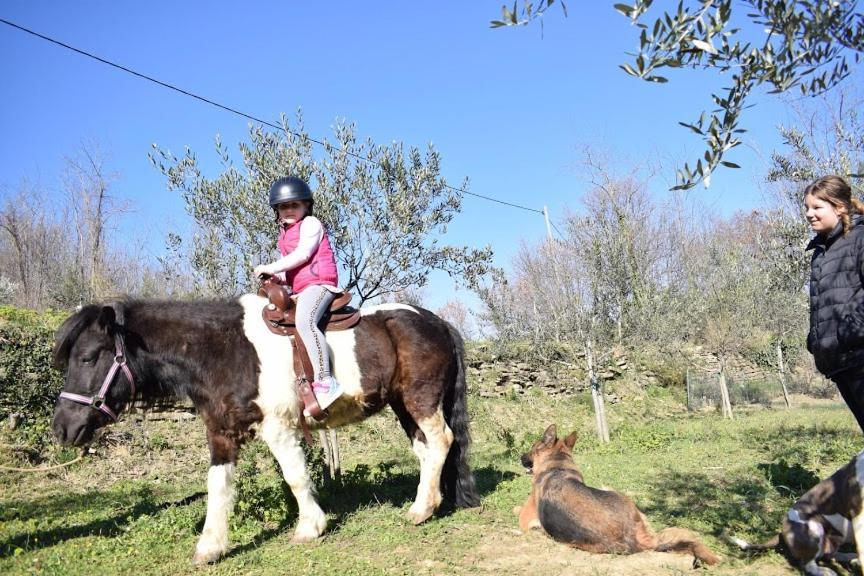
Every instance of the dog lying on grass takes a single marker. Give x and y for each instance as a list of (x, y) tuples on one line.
[(600, 521), (823, 519)]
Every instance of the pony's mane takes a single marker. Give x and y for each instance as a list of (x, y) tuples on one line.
[(73, 326), (69, 332)]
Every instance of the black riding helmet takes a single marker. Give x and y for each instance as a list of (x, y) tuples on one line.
[(289, 188)]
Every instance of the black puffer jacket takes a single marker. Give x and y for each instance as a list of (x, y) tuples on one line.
[(836, 336)]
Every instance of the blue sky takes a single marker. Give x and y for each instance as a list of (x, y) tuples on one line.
[(506, 108)]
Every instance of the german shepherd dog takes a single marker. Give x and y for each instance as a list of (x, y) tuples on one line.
[(599, 521)]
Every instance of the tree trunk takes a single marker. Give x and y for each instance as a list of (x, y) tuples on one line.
[(781, 369), (96, 231), (724, 394)]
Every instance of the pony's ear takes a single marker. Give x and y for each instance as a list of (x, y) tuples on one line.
[(570, 440), (550, 435), (107, 318)]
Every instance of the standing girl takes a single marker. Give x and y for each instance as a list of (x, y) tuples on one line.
[(309, 269), (836, 337)]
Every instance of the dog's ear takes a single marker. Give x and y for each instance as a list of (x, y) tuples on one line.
[(550, 435), (570, 440)]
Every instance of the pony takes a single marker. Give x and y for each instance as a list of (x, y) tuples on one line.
[(240, 377)]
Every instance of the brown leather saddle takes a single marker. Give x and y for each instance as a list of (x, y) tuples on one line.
[(279, 314)]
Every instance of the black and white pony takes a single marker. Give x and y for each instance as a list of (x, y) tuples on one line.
[(240, 377)]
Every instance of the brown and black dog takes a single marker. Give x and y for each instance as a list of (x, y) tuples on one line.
[(600, 521)]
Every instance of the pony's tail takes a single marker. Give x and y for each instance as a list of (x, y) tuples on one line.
[(456, 476), (681, 540)]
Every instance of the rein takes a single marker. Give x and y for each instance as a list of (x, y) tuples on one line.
[(97, 402)]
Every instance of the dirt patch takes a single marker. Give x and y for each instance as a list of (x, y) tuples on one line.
[(511, 552)]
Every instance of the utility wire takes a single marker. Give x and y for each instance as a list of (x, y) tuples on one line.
[(232, 110), (557, 230)]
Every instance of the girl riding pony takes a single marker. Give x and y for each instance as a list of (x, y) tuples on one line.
[(308, 267)]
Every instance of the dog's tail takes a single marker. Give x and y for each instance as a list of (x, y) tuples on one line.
[(772, 544), (681, 540)]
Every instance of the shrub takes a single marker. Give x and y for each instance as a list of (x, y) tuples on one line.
[(752, 391), (29, 384)]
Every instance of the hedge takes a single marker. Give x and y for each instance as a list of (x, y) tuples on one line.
[(29, 384)]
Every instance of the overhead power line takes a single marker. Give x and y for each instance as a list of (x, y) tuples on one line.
[(230, 109)]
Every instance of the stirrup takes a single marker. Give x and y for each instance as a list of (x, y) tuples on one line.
[(311, 409), (326, 397)]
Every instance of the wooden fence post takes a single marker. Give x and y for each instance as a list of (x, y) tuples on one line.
[(596, 395), (688, 389), (781, 369)]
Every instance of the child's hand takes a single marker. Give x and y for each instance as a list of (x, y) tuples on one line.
[(263, 270)]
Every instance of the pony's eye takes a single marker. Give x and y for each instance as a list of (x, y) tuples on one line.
[(89, 360)]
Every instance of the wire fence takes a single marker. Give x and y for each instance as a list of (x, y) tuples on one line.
[(703, 389)]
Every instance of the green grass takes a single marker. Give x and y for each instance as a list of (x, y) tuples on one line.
[(137, 505)]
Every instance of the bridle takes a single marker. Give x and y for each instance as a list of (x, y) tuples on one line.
[(97, 402)]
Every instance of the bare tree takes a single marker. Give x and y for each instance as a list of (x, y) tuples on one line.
[(31, 257), (65, 250), (93, 208), (455, 312)]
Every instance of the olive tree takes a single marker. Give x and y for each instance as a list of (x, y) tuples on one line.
[(804, 45), (385, 207)]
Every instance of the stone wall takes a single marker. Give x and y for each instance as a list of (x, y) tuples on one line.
[(491, 375)]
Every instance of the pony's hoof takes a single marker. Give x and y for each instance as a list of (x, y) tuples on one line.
[(309, 528), (210, 548), (303, 538), (418, 516), (204, 558)]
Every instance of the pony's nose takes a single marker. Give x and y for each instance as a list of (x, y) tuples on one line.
[(59, 432), (63, 432)]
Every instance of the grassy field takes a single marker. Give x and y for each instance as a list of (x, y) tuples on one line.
[(136, 505)]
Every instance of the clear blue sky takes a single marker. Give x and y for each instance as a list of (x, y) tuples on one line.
[(506, 108)]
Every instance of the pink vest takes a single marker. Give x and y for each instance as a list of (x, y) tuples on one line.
[(319, 269)]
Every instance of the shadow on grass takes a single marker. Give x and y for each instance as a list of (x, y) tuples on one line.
[(719, 505), (141, 502), (794, 478), (809, 444), (363, 486)]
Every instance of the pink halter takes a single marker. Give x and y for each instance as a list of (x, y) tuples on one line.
[(97, 402)]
